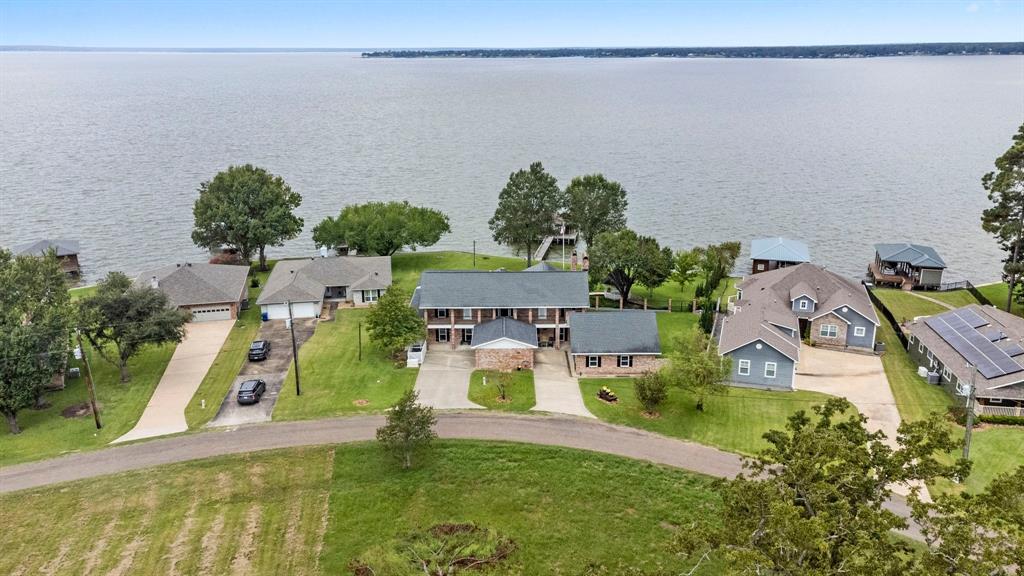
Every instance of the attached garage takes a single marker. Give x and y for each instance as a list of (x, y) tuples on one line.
[(504, 344), (212, 312), (299, 310)]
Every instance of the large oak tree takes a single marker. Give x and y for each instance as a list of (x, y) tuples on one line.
[(35, 325), (527, 208), (248, 209), (1005, 218), (594, 204), (382, 228), (623, 258)]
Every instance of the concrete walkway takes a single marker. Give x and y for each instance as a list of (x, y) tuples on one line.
[(557, 391), (443, 380), (932, 300), (165, 412), (544, 430), (860, 379)]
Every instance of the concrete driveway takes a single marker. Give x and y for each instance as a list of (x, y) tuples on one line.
[(273, 371), (557, 391), (857, 377), (165, 412), (443, 380)]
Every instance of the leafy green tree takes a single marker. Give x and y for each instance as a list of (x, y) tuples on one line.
[(1005, 218), (686, 265), (622, 258), (651, 390), (382, 228), (527, 207), (974, 535), (248, 209), (409, 428), (393, 324), (35, 329), (595, 204), (120, 318), (813, 502), (696, 366)]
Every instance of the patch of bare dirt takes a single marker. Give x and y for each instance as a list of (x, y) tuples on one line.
[(54, 565), (360, 402), (242, 561), (149, 503), (79, 410), (324, 507), (95, 554), (211, 545), (651, 415), (179, 548)]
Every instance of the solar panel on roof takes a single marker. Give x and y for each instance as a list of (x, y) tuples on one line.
[(1012, 348), (959, 329), (994, 334)]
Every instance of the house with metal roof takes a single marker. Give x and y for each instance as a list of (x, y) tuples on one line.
[(208, 291), (973, 345), (455, 304), (773, 253), (614, 343), (66, 251), (305, 284), (907, 266), (775, 310)]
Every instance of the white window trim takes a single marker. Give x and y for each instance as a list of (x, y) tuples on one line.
[(743, 367), (803, 304), (995, 400), (628, 359), (860, 331), (442, 313), (773, 366), (467, 313), (447, 335), (910, 338), (920, 346), (593, 361), (826, 331), (946, 373), (542, 313)]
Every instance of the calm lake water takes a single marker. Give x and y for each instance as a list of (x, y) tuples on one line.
[(109, 148)]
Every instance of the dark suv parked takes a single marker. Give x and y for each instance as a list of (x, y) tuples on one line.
[(259, 350), (251, 391)]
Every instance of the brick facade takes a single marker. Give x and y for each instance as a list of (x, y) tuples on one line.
[(504, 360), (817, 338), (610, 365)]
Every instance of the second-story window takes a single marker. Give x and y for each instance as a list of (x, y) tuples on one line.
[(542, 313), (442, 312), (467, 313)]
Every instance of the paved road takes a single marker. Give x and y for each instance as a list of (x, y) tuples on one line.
[(557, 391), (273, 371), (564, 431), (443, 379), (165, 412)]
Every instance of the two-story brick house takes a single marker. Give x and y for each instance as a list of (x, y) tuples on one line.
[(457, 304)]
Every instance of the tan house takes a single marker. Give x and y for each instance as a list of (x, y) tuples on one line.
[(208, 291)]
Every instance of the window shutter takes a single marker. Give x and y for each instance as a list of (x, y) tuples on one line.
[(598, 361)]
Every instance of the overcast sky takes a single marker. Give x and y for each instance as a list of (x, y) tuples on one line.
[(261, 24)]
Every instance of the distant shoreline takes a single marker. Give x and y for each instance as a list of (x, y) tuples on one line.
[(785, 52)]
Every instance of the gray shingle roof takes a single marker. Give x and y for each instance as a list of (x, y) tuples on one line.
[(780, 249), (619, 332), (198, 283), (913, 254), (1006, 386), (305, 280), (482, 289), (504, 327), (40, 247)]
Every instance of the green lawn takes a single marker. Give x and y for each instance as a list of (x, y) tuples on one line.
[(734, 422), (46, 433), (519, 394), (681, 298), (334, 381), (81, 292), (229, 361), (994, 449), (905, 306), (955, 298), (671, 325), (407, 266), (996, 294), (567, 512)]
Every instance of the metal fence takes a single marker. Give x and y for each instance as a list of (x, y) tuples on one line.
[(966, 285)]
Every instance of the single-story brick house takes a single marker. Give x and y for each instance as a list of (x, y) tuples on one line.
[(208, 291), (614, 343), (974, 343), (777, 309), (306, 283), (457, 304)]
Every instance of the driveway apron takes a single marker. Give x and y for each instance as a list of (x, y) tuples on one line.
[(443, 380), (557, 391), (165, 412), (273, 371)]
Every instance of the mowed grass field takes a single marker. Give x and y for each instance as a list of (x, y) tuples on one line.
[(315, 510), (407, 266), (335, 382), (519, 394), (733, 422)]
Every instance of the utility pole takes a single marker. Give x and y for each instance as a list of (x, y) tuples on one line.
[(295, 349), (474, 253), (359, 337), (970, 416), (89, 383)]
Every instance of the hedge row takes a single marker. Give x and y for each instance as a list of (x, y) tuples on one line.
[(1001, 419)]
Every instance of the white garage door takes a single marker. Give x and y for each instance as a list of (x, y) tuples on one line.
[(208, 313)]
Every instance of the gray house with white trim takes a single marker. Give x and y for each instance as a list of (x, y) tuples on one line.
[(306, 283), (775, 310)]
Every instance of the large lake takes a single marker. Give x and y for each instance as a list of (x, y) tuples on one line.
[(109, 148)]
